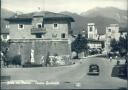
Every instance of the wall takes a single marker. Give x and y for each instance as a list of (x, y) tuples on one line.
[(37, 20), (64, 27), (40, 47), (20, 34), (112, 34), (92, 34)]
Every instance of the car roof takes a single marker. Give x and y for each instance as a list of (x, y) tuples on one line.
[(93, 65)]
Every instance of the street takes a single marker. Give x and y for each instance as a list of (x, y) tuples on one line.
[(68, 76)]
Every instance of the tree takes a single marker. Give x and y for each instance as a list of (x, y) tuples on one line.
[(114, 45), (123, 45), (79, 44), (4, 49)]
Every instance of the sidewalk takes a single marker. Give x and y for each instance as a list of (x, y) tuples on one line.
[(114, 61), (92, 56)]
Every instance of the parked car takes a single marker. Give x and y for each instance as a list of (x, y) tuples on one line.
[(93, 51), (99, 50), (119, 71), (93, 69), (113, 54)]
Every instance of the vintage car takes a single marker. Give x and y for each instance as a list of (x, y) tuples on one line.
[(119, 71), (93, 69)]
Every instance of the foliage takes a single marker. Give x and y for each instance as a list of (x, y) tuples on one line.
[(4, 49), (121, 45), (79, 44), (4, 46), (114, 45)]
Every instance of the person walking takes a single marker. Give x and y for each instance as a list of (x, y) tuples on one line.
[(110, 58), (116, 58)]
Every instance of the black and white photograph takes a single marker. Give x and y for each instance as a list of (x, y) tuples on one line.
[(64, 44)]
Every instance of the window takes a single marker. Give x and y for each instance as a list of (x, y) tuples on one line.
[(90, 29), (55, 26), (39, 25), (38, 35), (109, 30), (20, 26), (63, 35)]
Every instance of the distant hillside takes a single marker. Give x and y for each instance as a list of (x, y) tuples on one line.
[(102, 17), (5, 14), (81, 22), (108, 12)]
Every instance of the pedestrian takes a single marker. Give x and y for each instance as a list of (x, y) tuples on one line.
[(118, 62), (116, 57), (110, 59)]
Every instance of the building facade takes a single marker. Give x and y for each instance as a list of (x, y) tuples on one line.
[(95, 44), (33, 36), (93, 37), (112, 32), (92, 31), (5, 33)]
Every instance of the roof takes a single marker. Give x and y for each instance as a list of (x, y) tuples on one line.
[(44, 14)]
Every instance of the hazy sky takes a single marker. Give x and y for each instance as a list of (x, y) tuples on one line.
[(76, 6)]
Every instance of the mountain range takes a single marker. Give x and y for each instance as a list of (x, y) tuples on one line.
[(5, 14), (102, 17)]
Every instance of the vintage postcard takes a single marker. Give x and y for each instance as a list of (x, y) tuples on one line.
[(64, 44)]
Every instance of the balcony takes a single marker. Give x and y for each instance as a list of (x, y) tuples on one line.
[(38, 30)]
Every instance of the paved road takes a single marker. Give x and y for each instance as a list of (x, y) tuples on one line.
[(70, 77)]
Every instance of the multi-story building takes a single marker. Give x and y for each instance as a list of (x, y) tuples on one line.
[(112, 32), (92, 31), (95, 43), (93, 37), (34, 35)]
